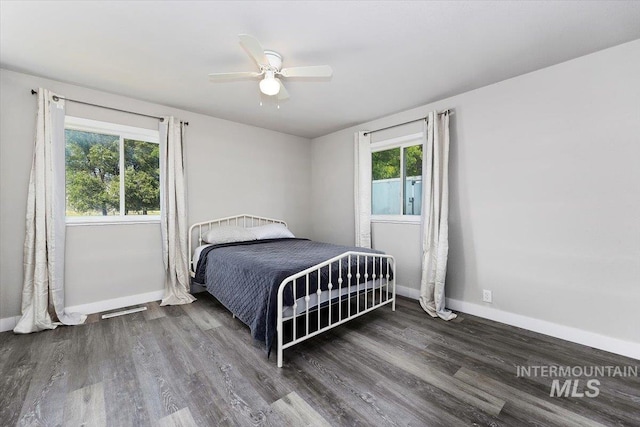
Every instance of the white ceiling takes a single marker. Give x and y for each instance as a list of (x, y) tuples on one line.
[(386, 56)]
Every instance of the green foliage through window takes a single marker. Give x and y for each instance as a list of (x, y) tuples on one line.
[(141, 178), (93, 167), (413, 160), (385, 164), (93, 174)]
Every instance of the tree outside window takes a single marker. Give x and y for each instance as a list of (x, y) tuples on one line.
[(95, 184)]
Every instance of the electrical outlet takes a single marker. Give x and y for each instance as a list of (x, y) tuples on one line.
[(486, 295)]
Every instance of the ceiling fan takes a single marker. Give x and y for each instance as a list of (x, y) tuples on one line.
[(270, 64)]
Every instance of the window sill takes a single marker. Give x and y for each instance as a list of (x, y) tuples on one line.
[(111, 221), (396, 219)]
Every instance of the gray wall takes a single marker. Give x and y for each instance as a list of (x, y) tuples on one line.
[(231, 169), (545, 194)]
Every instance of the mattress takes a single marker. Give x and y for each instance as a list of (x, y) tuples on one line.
[(301, 306)]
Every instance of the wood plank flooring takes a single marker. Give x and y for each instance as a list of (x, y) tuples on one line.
[(195, 365)]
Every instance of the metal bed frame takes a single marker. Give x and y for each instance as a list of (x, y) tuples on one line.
[(382, 289)]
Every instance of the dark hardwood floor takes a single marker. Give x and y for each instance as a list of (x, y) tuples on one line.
[(196, 365)]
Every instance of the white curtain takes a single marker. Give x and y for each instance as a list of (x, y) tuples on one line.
[(362, 188), (173, 213), (43, 286), (435, 214)]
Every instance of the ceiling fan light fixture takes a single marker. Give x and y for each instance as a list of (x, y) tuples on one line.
[(269, 85), (270, 65)]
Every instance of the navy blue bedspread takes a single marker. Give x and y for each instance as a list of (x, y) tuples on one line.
[(245, 276)]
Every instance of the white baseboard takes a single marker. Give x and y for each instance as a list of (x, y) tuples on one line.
[(567, 333), (8, 323), (408, 292), (115, 303)]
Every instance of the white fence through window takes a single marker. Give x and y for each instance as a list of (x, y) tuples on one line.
[(386, 196)]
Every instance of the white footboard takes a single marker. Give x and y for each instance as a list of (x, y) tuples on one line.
[(357, 283)]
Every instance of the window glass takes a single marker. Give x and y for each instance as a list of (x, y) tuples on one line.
[(112, 172), (141, 178), (386, 189), (92, 173), (396, 181), (413, 180)]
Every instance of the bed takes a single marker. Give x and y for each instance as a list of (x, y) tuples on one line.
[(286, 289)]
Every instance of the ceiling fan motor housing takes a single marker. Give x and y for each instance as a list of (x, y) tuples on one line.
[(274, 58)]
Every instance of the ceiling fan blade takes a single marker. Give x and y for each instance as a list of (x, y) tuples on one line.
[(311, 71), (254, 48), (282, 94), (236, 75)]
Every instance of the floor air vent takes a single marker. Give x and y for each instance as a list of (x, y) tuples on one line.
[(123, 312)]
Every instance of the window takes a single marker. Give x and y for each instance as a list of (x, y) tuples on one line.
[(112, 172), (396, 181)]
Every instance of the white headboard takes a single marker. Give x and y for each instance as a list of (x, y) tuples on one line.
[(197, 230)]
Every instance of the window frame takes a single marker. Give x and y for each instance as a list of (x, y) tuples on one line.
[(401, 142), (123, 132)]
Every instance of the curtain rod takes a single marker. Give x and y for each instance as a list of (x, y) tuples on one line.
[(56, 98), (405, 123)]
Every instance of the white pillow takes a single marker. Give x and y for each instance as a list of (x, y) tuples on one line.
[(271, 231), (228, 234)]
